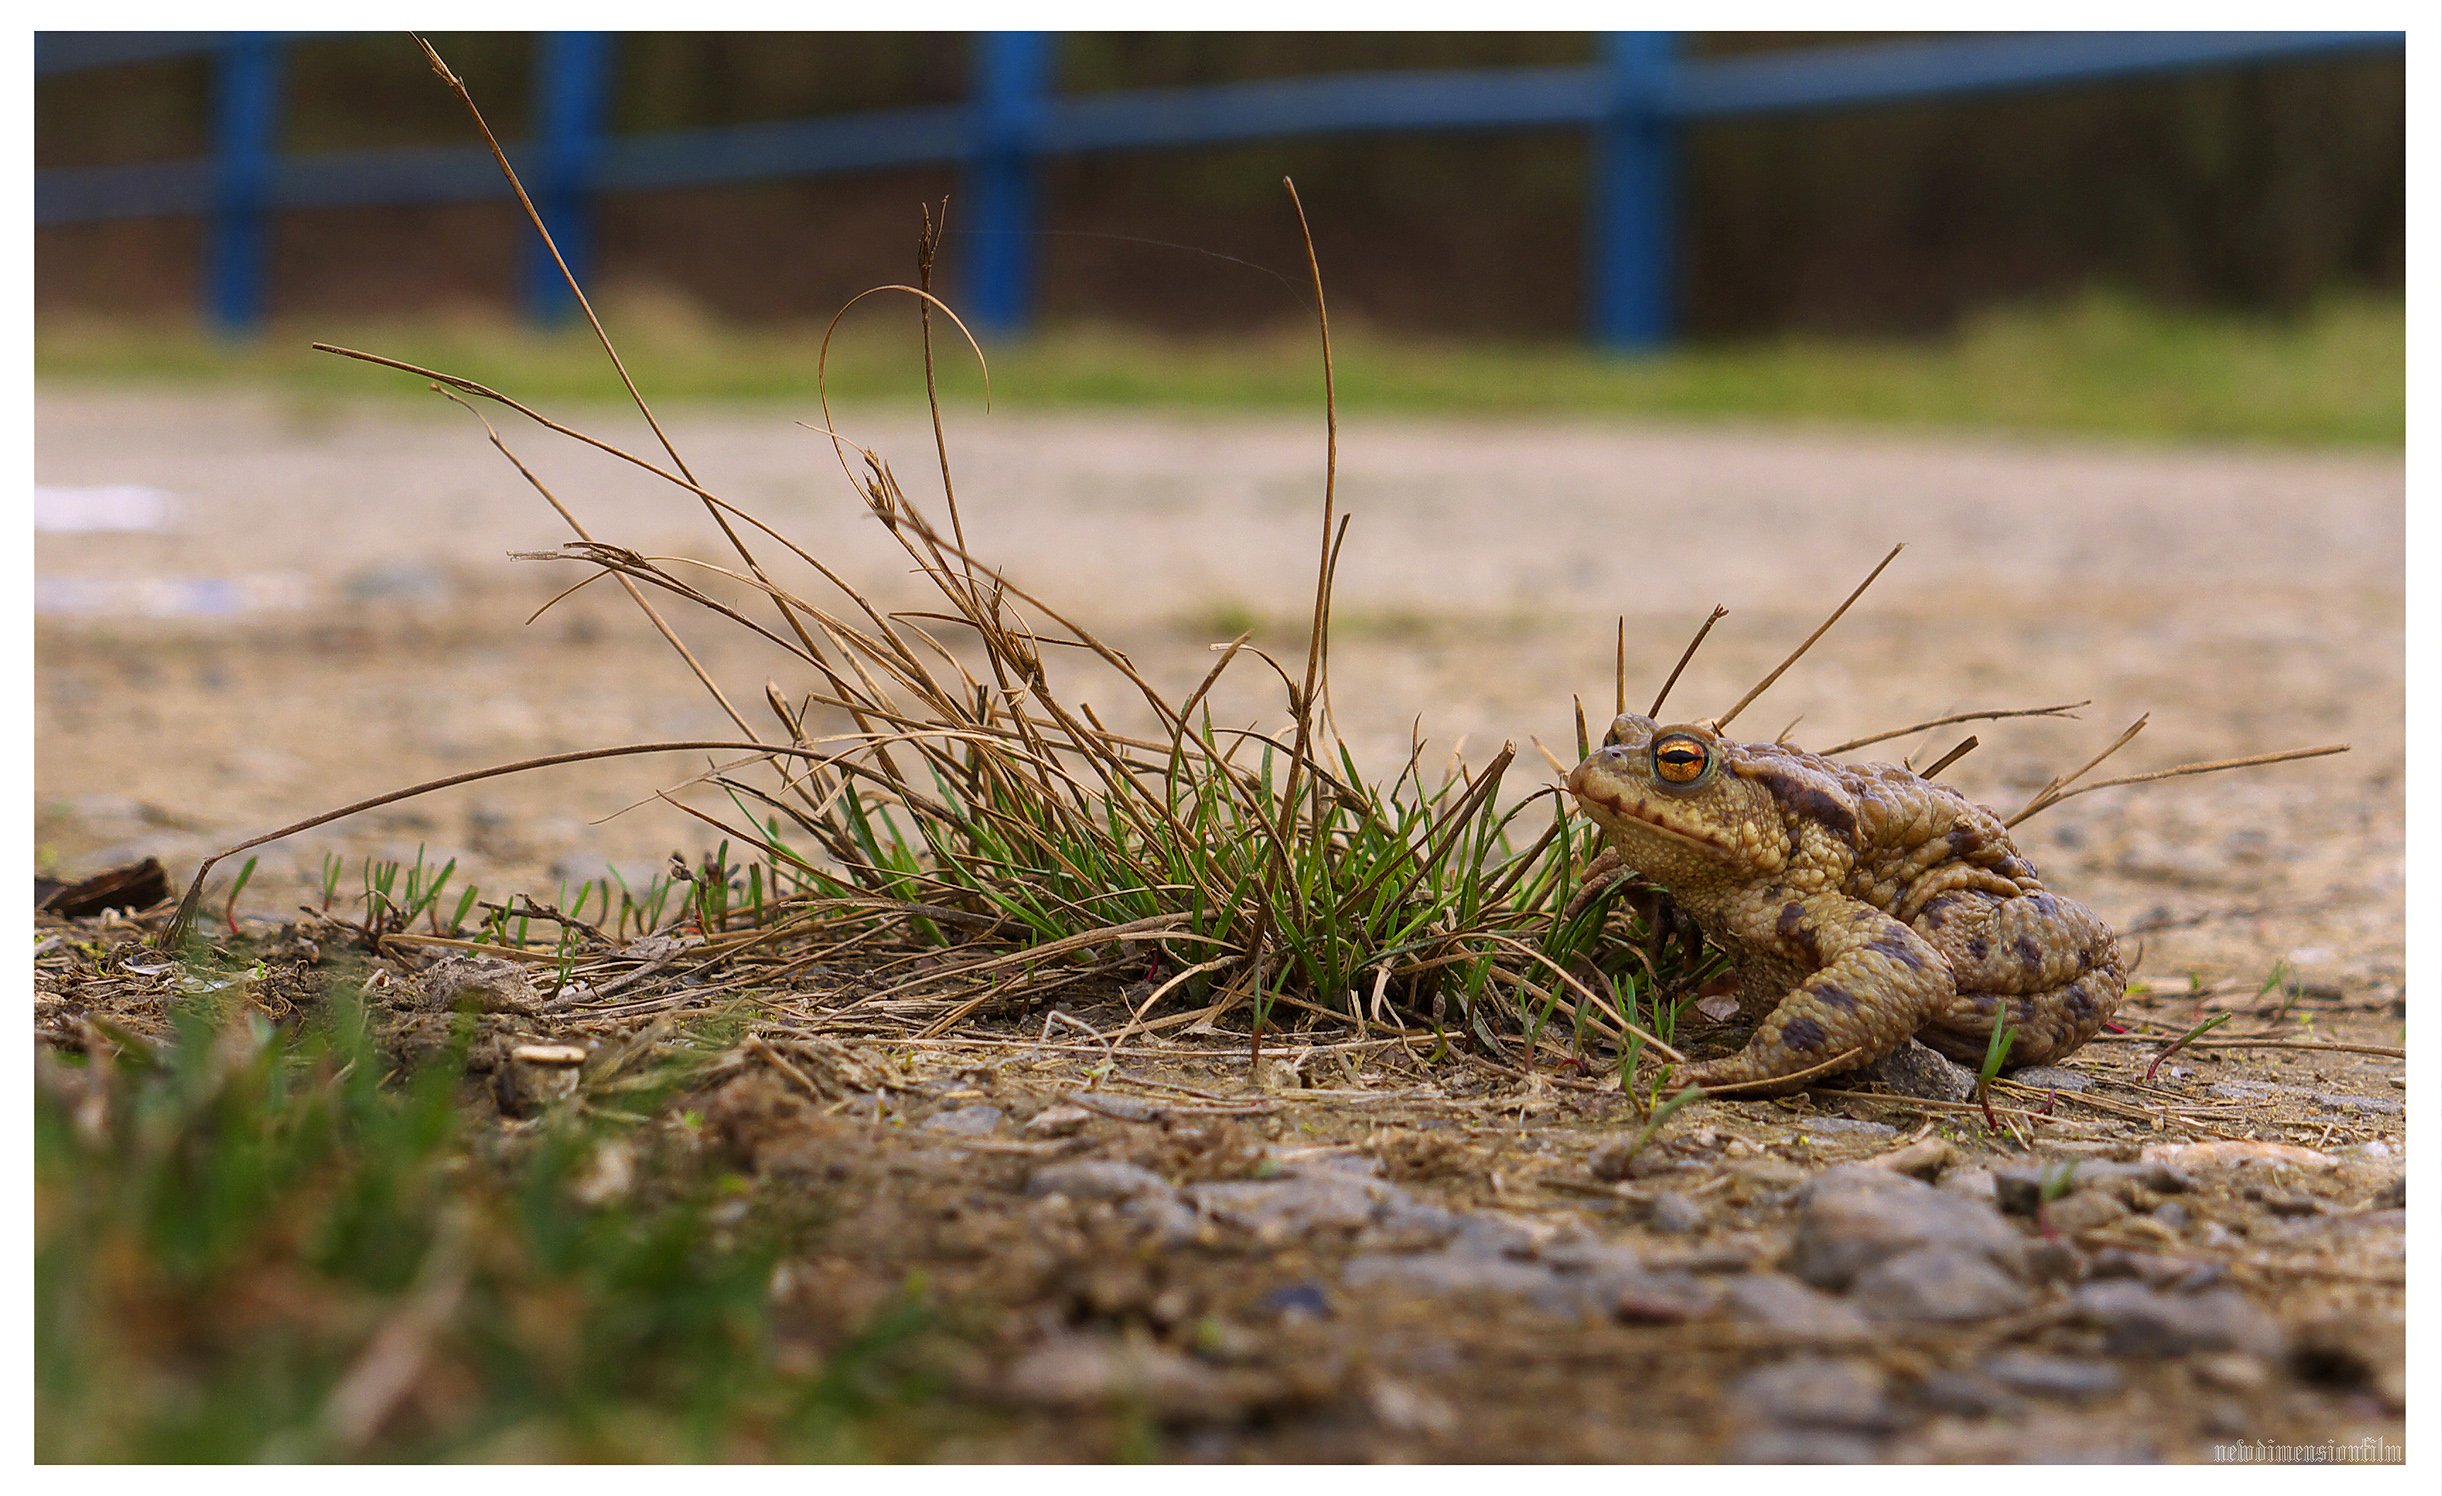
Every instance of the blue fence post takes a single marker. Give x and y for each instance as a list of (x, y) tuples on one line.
[(245, 131), (571, 101), (1632, 213), (1012, 69)]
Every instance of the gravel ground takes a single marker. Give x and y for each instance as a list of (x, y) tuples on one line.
[(1324, 1260), (333, 614)]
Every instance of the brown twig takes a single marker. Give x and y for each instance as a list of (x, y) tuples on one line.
[(2323, 751), (2051, 792), (1719, 613), (2065, 709), (1821, 629)]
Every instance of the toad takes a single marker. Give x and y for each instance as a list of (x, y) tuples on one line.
[(1860, 904)]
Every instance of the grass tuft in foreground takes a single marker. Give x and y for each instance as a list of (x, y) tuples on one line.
[(370, 1267)]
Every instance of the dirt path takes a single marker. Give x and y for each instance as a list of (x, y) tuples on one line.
[(1266, 1265), (350, 622)]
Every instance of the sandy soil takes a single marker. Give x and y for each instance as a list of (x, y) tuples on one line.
[(376, 635)]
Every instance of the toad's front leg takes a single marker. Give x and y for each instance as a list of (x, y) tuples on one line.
[(1871, 983)]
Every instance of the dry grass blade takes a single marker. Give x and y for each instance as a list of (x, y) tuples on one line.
[(1719, 613), (2065, 709), (1798, 653), (543, 231), (1619, 671), (2051, 793), (1966, 746), (2211, 766)]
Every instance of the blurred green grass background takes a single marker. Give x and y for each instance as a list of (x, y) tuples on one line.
[(2101, 365)]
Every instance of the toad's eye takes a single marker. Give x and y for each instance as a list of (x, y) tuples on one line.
[(1680, 759)]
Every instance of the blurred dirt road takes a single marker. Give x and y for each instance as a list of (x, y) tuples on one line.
[(317, 605)]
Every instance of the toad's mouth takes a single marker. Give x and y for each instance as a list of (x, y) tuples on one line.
[(1602, 800)]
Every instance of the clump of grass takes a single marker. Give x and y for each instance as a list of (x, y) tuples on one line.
[(368, 1272), (943, 766)]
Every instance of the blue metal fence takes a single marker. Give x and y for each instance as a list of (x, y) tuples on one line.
[(1635, 100)]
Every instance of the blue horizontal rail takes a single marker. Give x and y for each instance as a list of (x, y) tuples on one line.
[(1636, 99)]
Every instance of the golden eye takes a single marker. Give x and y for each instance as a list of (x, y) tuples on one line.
[(1680, 759)]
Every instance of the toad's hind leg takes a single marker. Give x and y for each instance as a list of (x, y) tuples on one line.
[(1871, 983), (2038, 963)]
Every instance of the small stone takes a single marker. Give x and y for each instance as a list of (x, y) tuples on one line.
[(1113, 1104), (537, 1077), (1674, 1214), (1058, 1121), (480, 984), (2140, 1321), (1803, 1446), (1642, 1298), (1097, 1179), (2230, 1153), (548, 1054), (1168, 1219), (1914, 1070), (1970, 1184), (2286, 1203), (2083, 1211), (1849, 1126), (1936, 1285), (966, 1121), (1853, 1218), (1969, 1394), (1307, 1299), (2052, 1078), (2054, 1260), (1622, 1158), (1083, 1371), (1410, 1409), (2065, 1377), (1293, 1204), (2231, 1372), (2357, 1105), (1434, 1274), (1790, 1306), (2172, 1214), (1926, 1159), (1817, 1392), (1764, 1181)]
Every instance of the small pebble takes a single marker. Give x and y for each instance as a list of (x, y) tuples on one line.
[(1058, 1121), (2052, 1078), (965, 1121), (2140, 1321), (2083, 1211), (1915, 1070), (1792, 1308), (1968, 1394), (2063, 1377), (1936, 1285), (1817, 1392), (1674, 1214), (1854, 1218), (1803, 1446), (1097, 1179), (1295, 1299)]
